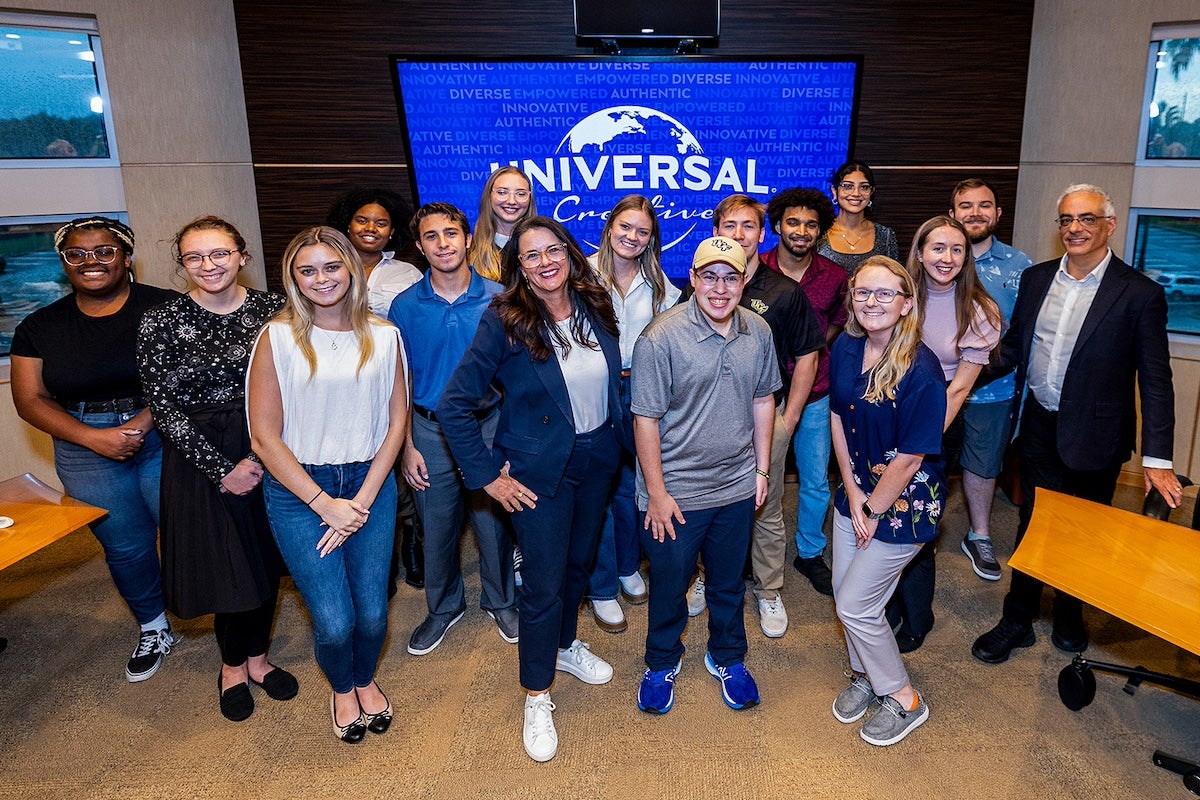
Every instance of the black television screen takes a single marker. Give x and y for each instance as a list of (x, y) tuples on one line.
[(638, 19), (683, 131)]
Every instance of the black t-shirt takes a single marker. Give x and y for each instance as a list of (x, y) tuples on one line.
[(784, 306), (87, 359)]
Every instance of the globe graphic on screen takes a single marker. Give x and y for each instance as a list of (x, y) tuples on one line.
[(629, 129)]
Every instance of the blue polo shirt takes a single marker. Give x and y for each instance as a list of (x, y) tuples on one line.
[(876, 432), (436, 333), (999, 270)]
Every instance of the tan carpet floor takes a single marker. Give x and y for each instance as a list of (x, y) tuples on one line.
[(73, 727)]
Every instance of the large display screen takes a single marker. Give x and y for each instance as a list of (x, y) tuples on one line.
[(684, 132)]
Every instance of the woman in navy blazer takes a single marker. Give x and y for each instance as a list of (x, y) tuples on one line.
[(548, 343)]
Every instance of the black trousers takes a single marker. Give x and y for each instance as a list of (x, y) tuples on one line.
[(1043, 468)]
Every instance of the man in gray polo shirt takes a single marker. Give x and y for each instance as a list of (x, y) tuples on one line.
[(704, 375)]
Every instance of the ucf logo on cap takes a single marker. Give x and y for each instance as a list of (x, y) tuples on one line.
[(720, 250)]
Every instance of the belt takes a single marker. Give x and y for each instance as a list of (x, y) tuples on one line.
[(422, 411), (120, 405)]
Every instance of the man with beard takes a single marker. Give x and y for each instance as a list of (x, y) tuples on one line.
[(800, 217), (987, 412)]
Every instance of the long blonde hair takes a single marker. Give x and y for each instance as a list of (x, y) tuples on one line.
[(483, 254), (298, 312), (650, 259), (901, 349)]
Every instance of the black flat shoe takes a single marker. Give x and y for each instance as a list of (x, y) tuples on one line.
[(237, 704), (279, 684), (350, 734), (907, 642), (379, 723)]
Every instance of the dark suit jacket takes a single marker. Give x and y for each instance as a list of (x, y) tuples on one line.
[(536, 429), (1123, 338)]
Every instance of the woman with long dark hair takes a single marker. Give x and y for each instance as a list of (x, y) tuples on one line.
[(853, 238), (549, 344), (218, 554)]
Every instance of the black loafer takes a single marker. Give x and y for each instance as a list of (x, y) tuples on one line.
[(907, 642), (995, 646), (279, 684), (817, 572), (237, 704)]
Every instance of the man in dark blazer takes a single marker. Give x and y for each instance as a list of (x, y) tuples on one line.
[(1086, 329)]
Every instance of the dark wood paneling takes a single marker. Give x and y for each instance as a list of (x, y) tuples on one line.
[(943, 84)]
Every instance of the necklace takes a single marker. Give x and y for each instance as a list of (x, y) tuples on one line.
[(852, 245), (333, 337)]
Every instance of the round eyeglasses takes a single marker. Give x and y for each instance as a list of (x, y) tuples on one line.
[(218, 258), (104, 254)]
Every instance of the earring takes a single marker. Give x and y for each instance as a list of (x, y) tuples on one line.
[(870, 203)]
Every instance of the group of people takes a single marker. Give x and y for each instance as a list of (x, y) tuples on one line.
[(582, 411)]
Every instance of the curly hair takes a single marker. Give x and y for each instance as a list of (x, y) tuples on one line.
[(398, 209), (799, 197)]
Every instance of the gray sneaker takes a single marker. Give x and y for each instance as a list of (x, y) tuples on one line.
[(507, 624), (891, 723), (853, 701), (429, 634), (983, 560)]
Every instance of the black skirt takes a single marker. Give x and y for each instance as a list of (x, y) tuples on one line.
[(218, 554)]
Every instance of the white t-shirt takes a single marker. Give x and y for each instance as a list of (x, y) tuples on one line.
[(586, 374)]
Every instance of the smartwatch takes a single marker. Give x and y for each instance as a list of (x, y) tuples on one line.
[(868, 513)]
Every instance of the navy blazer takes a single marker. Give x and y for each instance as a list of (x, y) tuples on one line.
[(536, 429), (1123, 340)]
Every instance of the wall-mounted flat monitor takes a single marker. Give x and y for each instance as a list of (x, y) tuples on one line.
[(685, 132), (640, 19)]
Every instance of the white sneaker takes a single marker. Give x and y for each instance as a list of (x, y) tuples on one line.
[(578, 660), (541, 740), (695, 598), (634, 588), (609, 616), (771, 617)]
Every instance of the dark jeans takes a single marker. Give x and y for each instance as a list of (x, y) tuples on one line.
[(720, 536), (558, 541), (1042, 467)]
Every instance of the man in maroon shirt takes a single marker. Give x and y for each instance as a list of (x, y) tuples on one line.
[(800, 217)]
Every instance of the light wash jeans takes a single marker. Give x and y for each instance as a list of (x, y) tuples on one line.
[(811, 444)]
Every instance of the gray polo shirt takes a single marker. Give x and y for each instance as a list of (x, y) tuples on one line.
[(701, 386)]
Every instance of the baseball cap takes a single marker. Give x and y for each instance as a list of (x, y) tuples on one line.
[(720, 250)]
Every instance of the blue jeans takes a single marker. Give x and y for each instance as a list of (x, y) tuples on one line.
[(720, 536), (811, 444), (346, 591), (128, 490), (620, 550)]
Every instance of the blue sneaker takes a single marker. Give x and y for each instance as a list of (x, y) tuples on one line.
[(738, 688), (656, 695)]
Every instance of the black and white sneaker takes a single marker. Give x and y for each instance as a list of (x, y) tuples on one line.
[(148, 656), (983, 560)]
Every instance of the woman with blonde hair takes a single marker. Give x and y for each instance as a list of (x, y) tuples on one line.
[(629, 265), (507, 199), (328, 409), (887, 404)]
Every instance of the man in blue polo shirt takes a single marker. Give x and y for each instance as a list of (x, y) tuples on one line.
[(437, 318)]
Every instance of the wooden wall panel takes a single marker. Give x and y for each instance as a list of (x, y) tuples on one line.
[(943, 85)]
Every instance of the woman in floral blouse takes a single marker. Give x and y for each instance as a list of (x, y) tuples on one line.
[(888, 403), (218, 554)]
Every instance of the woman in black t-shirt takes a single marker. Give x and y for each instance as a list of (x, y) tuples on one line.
[(74, 376)]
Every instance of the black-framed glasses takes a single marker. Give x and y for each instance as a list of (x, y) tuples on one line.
[(104, 254), (847, 186), (711, 279), (218, 258), (1086, 220), (555, 253), (882, 296)]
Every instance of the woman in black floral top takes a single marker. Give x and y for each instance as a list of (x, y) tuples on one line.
[(218, 554)]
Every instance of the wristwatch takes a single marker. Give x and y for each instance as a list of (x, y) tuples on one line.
[(868, 513)]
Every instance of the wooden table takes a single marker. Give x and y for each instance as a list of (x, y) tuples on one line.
[(40, 514), (1141, 570)]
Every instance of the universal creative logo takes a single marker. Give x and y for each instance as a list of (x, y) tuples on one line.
[(635, 149)]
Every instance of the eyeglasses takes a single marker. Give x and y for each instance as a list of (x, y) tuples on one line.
[(848, 187), (711, 279), (1086, 220), (882, 296), (555, 253), (516, 194), (104, 254), (218, 258)]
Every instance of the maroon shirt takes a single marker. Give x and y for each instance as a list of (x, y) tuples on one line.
[(825, 285)]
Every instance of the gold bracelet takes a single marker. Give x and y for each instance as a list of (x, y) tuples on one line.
[(764, 473)]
